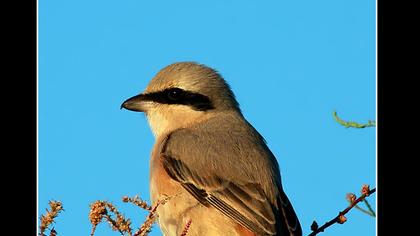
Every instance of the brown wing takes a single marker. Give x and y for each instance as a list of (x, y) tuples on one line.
[(244, 204), (190, 160)]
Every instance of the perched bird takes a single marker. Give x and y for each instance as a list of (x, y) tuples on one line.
[(212, 166)]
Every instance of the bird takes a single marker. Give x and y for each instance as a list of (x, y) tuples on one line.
[(209, 165)]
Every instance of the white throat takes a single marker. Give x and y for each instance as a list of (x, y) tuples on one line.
[(158, 123), (167, 119)]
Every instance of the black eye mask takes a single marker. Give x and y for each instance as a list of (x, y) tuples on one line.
[(196, 101)]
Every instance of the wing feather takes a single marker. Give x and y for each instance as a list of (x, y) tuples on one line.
[(216, 170)]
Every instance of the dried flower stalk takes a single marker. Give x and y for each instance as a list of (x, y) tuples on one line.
[(48, 219)]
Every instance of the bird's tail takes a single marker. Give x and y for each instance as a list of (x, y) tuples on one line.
[(287, 222)]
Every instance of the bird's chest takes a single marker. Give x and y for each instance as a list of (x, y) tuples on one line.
[(181, 207), (161, 185), (177, 201)]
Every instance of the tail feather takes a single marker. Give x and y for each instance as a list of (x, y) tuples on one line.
[(287, 220)]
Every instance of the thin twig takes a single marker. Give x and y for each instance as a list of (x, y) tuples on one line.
[(138, 202), (351, 197), (53, 232), (340, 218), (365, 211), (353, 124), (371, 211), (47, 219), (146, 227), (113, 224), (100, 210), (186, 228)]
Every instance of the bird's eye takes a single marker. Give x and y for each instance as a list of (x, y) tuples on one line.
[(174, 94)]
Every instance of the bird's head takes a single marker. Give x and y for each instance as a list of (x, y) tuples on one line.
[(182, 94)]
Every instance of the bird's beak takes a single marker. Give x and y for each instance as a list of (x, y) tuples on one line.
[(137, 103)]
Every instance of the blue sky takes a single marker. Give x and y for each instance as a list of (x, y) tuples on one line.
[(290, 64)]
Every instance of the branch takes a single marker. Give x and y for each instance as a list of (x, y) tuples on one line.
[(101, 210), (46, 220), (146, 227), (138, 202), (351, 197), (370, 210), (186, 228), (340, 218), (353, 124)]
